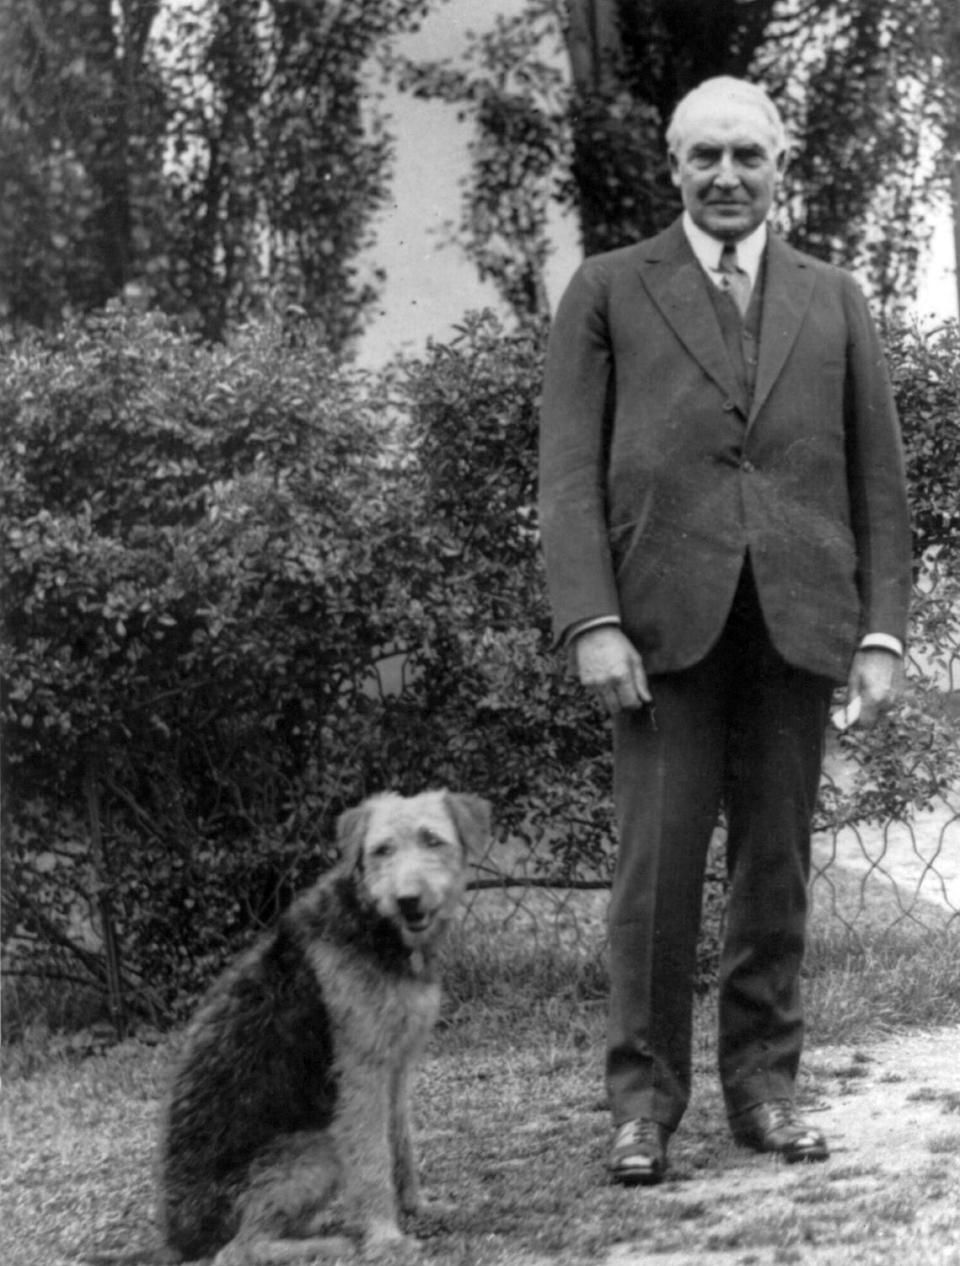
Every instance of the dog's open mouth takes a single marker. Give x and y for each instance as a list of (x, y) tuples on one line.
[(416, 917), (419, 922)]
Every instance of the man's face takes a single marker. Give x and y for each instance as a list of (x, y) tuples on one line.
[(726, 167)]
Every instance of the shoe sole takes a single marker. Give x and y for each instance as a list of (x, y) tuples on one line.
[(806, 1154), (791, 1156), (626, 1177)]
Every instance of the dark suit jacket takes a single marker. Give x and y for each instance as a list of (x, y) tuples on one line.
[(657, 475)]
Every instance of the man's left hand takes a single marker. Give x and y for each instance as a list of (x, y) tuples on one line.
[(876, 679)]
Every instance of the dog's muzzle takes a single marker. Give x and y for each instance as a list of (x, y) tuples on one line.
[(416, 916)]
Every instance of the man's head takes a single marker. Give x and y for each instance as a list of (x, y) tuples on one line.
[(727, 149)]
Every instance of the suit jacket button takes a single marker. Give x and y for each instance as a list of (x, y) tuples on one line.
[(747, 466), (729, 406)]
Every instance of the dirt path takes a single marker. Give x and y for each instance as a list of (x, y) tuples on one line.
[(890, 1192)]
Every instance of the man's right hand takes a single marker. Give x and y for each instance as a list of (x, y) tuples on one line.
[(610, 666)]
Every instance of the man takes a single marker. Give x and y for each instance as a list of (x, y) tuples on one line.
[(724, 519)]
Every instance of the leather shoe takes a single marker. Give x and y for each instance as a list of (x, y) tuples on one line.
[(776, 1127), (638, 1157)]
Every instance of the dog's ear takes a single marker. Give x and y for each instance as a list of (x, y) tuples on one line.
[(471, 815), (351, 829)]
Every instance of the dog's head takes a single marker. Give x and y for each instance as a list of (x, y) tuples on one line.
[(409, 854)]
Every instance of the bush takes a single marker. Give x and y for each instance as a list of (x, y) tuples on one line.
[(925, 369), (496, 697), (913, 756), (246, 587), (198, 588)]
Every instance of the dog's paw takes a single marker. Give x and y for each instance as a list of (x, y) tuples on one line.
[(410, 1201), (334, 1249), (383, 1247), (431, 1208)]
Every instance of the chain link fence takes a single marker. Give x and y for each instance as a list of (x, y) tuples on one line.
[(886, 851)]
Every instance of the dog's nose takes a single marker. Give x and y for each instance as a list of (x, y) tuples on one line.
[(410, 909)]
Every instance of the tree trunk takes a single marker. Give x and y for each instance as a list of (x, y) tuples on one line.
[(594, 46), (109, 167), (101, 869)]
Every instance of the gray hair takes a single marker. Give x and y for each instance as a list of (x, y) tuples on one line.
[(730, 89)]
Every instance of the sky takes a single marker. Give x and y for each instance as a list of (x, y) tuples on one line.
[(430, 284)]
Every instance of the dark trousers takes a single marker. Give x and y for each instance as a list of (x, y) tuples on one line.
[(742, 729)]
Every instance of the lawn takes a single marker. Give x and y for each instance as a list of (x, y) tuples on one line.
[(513, 1129)]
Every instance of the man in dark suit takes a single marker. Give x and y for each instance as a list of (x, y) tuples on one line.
[(725, 527)]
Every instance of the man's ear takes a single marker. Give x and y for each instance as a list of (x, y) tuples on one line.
[(674, 168), (471, 816), (351, 829)]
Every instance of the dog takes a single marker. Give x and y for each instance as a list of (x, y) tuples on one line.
[(289, 1100)]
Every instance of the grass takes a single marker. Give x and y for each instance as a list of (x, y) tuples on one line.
[(513, 1129)]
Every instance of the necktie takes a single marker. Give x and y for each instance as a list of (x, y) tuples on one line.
[(733, 279)]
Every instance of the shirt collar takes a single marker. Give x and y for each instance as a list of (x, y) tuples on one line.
[(707, 249)]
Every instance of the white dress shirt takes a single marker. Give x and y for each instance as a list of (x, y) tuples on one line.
[(708, 249)]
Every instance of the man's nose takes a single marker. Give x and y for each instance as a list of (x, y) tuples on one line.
[(727, 175)]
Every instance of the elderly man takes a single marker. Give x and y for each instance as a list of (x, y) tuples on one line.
[(726, 537)]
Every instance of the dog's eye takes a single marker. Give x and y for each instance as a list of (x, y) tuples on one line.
[(380, 852), (433, 841)]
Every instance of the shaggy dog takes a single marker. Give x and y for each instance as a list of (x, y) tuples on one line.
[(293, 1082)]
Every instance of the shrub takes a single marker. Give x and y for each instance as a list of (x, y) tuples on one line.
[(246, 586), (925, 369), (198, 587), (497, 697), (913, 757)]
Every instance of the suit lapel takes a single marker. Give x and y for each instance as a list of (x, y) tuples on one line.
[(787, 291), (676, 284), (675, 281)]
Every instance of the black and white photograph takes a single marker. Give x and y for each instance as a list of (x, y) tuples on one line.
[(480, 645)]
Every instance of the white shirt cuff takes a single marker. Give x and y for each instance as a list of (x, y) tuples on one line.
[(877, 641), (595, 622), (882, 641)]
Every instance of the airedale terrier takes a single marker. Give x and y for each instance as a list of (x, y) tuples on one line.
[(292, 1087)]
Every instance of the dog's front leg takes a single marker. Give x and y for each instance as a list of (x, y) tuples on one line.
[(361, 1134), (405, 1177)]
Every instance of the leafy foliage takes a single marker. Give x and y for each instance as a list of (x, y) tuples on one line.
[(502, 705), (81, 147), (914, 756), (925, 369), (198, 588), (871, 92), (214, 155), (245, 587), (224, 159), (517, 98)]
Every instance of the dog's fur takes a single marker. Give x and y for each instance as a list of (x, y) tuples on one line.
[(292, 1086)]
